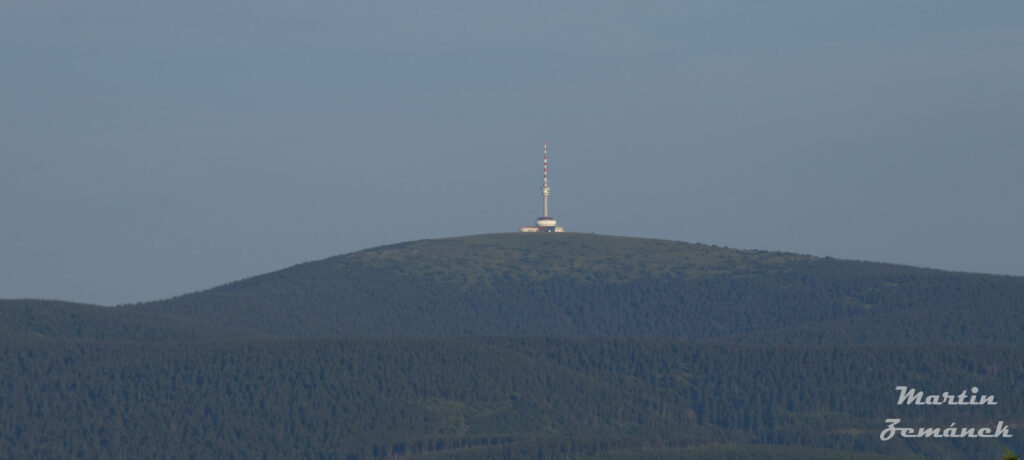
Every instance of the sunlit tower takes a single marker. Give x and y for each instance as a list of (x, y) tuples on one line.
[(545, 223)]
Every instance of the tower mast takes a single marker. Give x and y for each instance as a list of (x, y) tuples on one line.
[(545, 190), (545, 223)]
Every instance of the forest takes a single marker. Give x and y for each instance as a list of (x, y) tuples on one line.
[(619, 348)]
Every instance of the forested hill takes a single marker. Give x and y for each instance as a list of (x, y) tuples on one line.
[(49, 319), (592, 285), (512, 346)]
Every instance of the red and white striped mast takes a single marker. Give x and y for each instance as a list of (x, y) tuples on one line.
[(545, 190)]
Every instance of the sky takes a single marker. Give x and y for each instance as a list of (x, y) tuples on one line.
[(150, 149)]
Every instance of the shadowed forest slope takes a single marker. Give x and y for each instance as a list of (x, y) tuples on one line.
[(593, 285)]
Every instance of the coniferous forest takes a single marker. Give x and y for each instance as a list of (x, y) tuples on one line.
[(523, 346)]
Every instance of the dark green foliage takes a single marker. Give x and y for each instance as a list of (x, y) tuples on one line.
[(753, 452), (65, 320), (364, 398), (588, 285), (521, 346)]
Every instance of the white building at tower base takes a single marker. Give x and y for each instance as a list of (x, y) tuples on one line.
[(544, 224)]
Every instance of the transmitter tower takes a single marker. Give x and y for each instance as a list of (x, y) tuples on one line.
[(545, 223)]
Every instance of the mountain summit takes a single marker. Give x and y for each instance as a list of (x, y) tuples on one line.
[(593, 285), (523, 345)]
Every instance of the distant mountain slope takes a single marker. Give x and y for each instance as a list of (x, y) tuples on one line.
[(595, 347), (27, 318), (593, 285), (483, 398)]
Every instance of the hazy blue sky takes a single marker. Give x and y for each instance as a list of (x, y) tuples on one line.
[(152, 148)]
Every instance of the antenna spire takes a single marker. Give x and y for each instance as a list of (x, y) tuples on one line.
[(545, 190), (545, 165)]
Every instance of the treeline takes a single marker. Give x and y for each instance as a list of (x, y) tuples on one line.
[(499, 346), (815, 303), (822, 301), (37, 319), (540, 397)]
